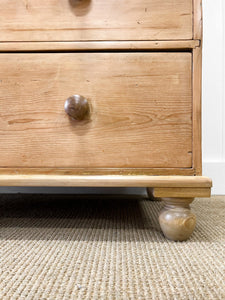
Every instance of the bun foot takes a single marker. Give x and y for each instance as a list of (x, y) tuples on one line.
[(176, 219)]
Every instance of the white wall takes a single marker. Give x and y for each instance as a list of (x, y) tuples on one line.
[(213, 101)]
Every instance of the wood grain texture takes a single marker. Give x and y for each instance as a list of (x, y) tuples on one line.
[(197, 26), (176, 219), (70, 20), (182, 192), (141, 110), (104, 180), (98, 171), (197, 107), (97, 45)]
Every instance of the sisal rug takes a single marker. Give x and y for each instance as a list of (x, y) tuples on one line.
[(107, 247)]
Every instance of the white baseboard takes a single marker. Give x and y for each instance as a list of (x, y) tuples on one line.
[(216, 171)]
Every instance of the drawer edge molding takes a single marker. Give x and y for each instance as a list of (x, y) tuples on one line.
[(97, 45), (104, 181)]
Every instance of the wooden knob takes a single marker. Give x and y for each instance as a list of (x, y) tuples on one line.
[(77, 107), (80, 4)]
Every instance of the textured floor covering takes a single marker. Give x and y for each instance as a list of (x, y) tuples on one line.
[(106, 247)]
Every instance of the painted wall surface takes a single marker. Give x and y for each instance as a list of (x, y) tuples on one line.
[(213, 105), (213, 93)]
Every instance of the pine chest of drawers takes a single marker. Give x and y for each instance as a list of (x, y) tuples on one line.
[(104, 93)]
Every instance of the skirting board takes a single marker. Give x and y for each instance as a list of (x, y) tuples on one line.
[(216, 171)]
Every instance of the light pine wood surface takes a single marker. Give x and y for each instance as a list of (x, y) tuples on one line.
[(141, 105), (99, 45), (99, 171), (197, 21), (70, 20), (197, 108), (182, 192), (105, 180)]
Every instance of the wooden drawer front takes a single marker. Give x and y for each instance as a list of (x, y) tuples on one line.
[(70, 20), (141, 110)]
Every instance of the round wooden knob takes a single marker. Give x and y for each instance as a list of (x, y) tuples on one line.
[(80, 4), (77, 107)]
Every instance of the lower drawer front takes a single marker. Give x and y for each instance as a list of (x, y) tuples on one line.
[(141, 110)]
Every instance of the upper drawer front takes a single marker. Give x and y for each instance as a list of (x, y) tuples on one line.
[(71, 20), (141, 110)]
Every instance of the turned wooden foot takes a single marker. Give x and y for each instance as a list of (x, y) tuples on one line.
[(176, 219)]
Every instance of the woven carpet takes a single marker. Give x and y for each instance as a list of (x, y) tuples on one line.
[(107, 247)]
